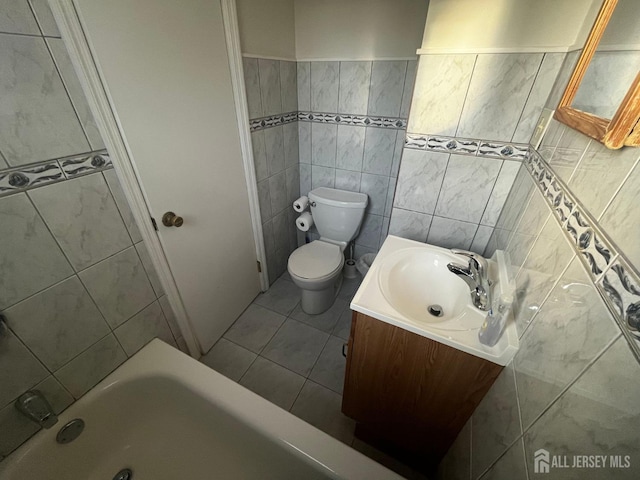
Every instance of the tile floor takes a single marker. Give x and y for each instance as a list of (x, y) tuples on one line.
[(295, 360)]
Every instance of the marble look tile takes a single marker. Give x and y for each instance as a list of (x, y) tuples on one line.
[(324, 86), (304, 139), (540, 91), (599, 174), (481, 239), (360, 250), (74, 88), (343, 327), (182, 345), (16, 17), (324, 321), (229, 359), (495, 422), (407, 91), (273, 382), (304, 86), (296, 346), (322, 177), (30, 259), (347, 180), (282, 297), (497, 94), (500, 191), (517, 200), (19, 368), (255, 327), (321, 407), (293, 232), (569, 150), (375, 186), (349, 288), (353, 96), (511, 466), (87, 369), (547, 259), (305, 178), (252, 87), (268, 238), (419, 180), (58, 323), (391, 191), (269, 72), (291, 141), (330, 367), (448, 233), (3, 162), (71, 208), (170, 316), (599, 414), (40, 126), (350, 147), (280, 230), (278, 193), (150, 270), (387, 84), (45, 18), (136, 332), (467, 187), (568, 346), (259, 155), (323, 144), (397, 153), (119, 286), (379, 149), (288, 86), (369, 235), (622, 213), (562, 79), (411, 225), (17, 428), (456, 464), (292, 177), (122, 204), (274, 149), (438, 77), (264, 199)]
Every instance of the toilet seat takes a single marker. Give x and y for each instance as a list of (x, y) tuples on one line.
[(315, 260)]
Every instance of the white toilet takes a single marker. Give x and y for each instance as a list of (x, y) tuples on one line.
[(317, 266)]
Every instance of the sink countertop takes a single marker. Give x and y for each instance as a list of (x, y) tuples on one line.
[(370, 301)]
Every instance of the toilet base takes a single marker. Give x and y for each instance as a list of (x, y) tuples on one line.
[(315, 302)]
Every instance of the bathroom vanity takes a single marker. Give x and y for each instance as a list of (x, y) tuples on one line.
[(415, 374)]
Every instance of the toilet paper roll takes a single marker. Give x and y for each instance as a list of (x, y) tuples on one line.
[(300, 205), (304, 222)]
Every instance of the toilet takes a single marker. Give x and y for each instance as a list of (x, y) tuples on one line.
[(317, 266)]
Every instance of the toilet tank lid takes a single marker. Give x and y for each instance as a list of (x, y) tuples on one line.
[(338, 198)]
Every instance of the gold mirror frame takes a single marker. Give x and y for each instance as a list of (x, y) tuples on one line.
[(621, 129)]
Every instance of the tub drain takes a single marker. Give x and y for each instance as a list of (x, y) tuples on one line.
[(435, 310), (124, 474)]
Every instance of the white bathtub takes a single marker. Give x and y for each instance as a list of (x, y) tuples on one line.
[(166, 416)]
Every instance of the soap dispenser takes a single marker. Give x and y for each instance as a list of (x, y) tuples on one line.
[(503, 293)]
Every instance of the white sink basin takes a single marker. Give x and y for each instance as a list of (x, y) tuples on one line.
[(407, 278), (415, 281)]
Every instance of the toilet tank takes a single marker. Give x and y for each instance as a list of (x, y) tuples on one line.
[(337, 214)]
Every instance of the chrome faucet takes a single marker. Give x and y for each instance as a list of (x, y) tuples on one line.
[(475, 275), (36, 408)]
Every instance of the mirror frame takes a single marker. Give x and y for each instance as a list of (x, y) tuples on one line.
[(622, 129)]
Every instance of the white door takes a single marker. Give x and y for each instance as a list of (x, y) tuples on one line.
[(165, 68)]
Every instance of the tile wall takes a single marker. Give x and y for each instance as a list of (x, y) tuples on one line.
[(471, 119), (570, 226), (77, 291)]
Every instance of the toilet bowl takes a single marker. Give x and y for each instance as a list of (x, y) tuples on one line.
[(317, 266)]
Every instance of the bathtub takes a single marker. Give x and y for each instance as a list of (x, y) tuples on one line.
[(166, 416)]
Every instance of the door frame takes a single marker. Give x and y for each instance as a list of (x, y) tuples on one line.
[(108, 124)]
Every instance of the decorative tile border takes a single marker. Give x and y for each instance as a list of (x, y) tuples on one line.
[(467, 146), (334, 118), (26, 177), (615, 280)]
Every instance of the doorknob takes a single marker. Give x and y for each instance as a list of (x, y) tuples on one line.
[(170, 219)]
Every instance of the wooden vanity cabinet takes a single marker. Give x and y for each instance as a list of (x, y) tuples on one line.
[(410, 395)]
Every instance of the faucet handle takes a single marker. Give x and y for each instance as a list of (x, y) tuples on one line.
[(475, 260)]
